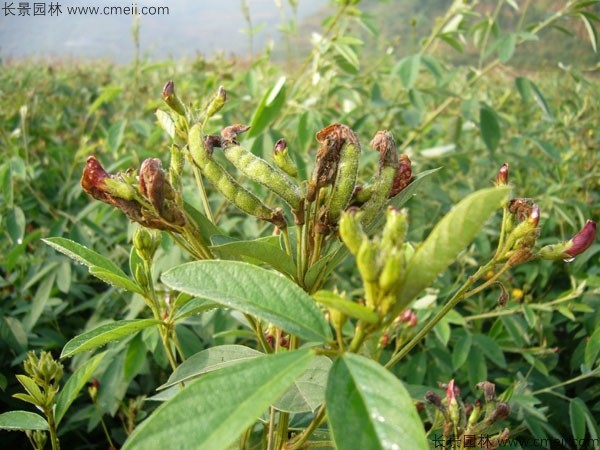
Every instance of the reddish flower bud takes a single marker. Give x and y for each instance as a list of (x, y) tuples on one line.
[(280, 146), (489, 390), (500, 413), (93, 179), (582, 240), (502, 177), (403, 175), (534, 215), (573, 247)]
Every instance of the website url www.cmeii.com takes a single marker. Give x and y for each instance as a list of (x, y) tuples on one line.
[(28, 9)]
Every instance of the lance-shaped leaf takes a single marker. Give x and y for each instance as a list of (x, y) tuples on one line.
[(253, 290), (369, 408), (214, 410), (98, 265), (209, 360), (104, 334), (449, 237), (22, 420), (69, 393)]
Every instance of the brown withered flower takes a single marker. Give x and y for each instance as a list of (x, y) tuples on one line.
[(331, 138), (403, 175), (229, 134), (115, 191), (156, 188)]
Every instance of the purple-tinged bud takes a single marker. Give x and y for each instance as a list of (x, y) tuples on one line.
[(534, 216), (280, 146), (282, 159), (94, 178), (217, 102), (489, 390), (502, 177), (403, 175), (434, 399), (573, 247), (582, 240), (452, 402), (500, 413), (171, 99)]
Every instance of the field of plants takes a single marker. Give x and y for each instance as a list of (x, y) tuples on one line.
[(368, 245)]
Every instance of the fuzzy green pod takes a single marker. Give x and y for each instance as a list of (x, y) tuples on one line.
[(391, 274), (172, 100), (217, 102), (227, 185), (384, 143), (262, 172), (282, 159), (347, 172), (351, 231), (394, 230), (367, 261)]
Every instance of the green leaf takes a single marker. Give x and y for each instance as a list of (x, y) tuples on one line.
[(577, 418), (490, 349), (348, 307), (548, 149), (476, 369), (265, 249), (104, 334), (461, 351), (363, 405), (6, 183), (308, 391), (165, 121), (448, 238), (194, 306), (83, 255), (116, 280), (206, 228), (115, 135), (591, 30), (109, 93), (15, 224), (22, 420), (540, 100), (268, 109), (209, 360), (490, 127), (41, 297), (524, 88), (347, 58), (592, 349), (408, 70), (268, 295), (76, 382), (214, 410), (506, 48)]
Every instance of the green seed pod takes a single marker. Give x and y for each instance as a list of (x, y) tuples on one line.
[(384, 143), (391, 274), (351, 231), (172, 100), (224, 183), (347, 171), (362, 193), (282, 159), (216, 102), (394, 230), (262, 172), (367, 261)]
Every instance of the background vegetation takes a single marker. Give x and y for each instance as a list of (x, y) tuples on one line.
[(464, 94)]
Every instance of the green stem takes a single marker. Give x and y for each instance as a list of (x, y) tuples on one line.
[(456, 298), (52, 428), (203, 195), (271, 433), (299, 440), (486, 37), (593, 373), (286, 241)]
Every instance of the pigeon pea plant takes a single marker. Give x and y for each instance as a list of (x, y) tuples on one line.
[(313, 374)]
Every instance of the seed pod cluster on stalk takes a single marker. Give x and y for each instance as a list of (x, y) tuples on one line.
[(201, 150), (462, 422), (150, 202), (381, 260)]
